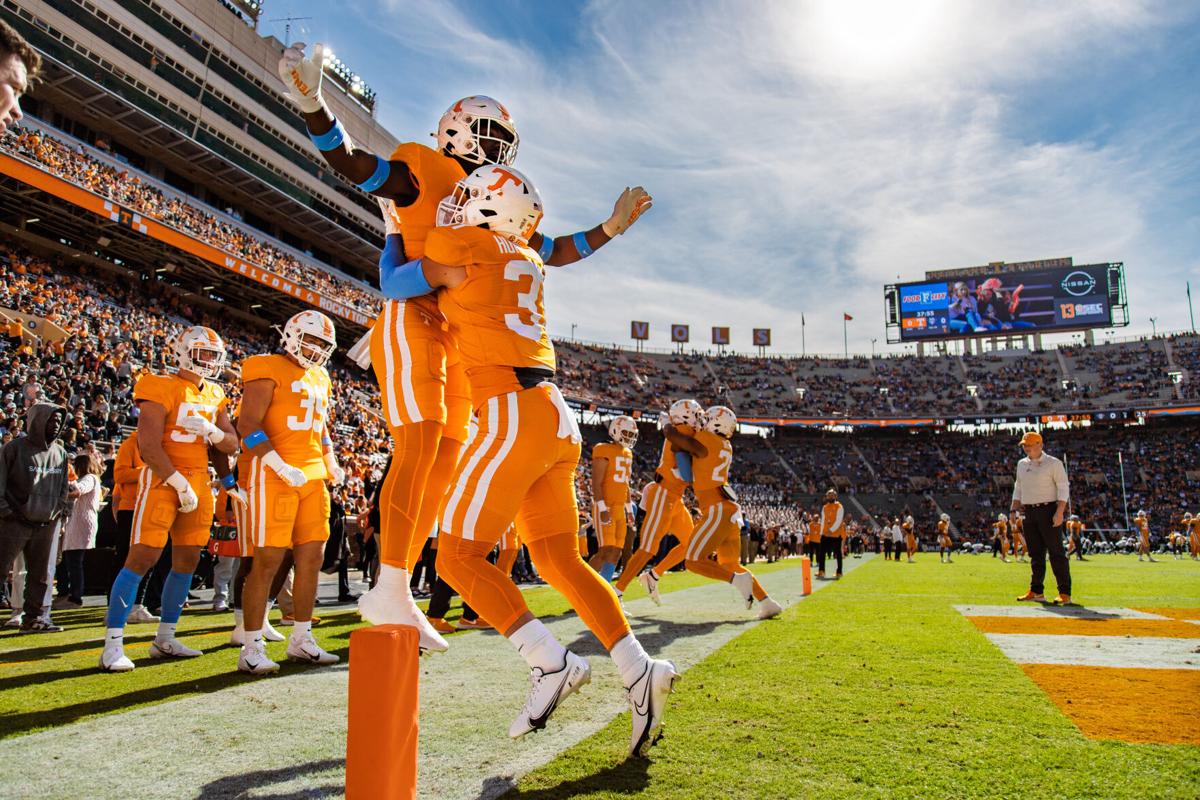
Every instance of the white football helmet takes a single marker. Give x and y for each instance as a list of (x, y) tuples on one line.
[(479, 130), (623, 430), (1003, 518), (1141, 513), (686, 412), (1186, 515), (1073, 517), (945, 517), (199, 350), (721, 421), (500, 199), (315, 325)]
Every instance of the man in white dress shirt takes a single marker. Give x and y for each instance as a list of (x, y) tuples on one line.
[(1041, 491)]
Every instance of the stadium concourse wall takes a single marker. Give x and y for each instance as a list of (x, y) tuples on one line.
[(65, 190)]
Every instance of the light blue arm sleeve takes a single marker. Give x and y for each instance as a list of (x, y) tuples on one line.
[(400, 280)]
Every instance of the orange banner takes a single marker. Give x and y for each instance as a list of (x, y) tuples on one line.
[(15, 168)]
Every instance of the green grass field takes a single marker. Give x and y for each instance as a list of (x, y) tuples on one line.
[(878, 688), (48, 680), (874, 687)]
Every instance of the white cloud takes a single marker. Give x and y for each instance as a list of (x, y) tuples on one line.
[(795, 168)]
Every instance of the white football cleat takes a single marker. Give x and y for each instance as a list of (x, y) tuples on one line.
[(398, 608), (254, 660), (547, 690), (307, 650), (744, 583), (769, 609), (113, 659), (139, 613), (269, 633), (649, 582), (648, 700), (172, 648)]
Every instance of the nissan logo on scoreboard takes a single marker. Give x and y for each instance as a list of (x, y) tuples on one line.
[(679, 333), (1079, 283)]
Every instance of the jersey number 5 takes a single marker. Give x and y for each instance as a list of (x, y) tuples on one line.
[(529, 301), (621, 466), (190, 410)]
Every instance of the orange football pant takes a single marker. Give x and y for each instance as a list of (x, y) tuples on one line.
[(716, 533), (433, 499), (414, 450)]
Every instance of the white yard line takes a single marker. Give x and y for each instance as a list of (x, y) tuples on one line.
[(1038, 611), (1144, 652), (285, 736)]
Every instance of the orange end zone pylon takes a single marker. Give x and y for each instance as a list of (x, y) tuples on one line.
[(381, 742), (806, 572)]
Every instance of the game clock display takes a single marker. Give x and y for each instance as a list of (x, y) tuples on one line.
[(1068, 298)]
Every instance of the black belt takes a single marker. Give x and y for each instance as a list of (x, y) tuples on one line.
[(1041, 505), (530, 377)]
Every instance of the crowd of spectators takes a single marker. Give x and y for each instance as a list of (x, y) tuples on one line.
[(124, 185)]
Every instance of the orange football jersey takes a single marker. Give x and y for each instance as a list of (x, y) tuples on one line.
[(943, 528), (711, 471), (615, 487), (435, 175), (496, 314), (295, 419), (1001, 528), (182, 398)]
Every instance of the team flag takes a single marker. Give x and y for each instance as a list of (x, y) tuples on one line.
[(846, 317)]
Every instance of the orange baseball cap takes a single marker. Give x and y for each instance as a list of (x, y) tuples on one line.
[(1031, 437)]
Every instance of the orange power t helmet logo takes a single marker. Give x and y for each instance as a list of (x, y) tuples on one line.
[(505, 176)]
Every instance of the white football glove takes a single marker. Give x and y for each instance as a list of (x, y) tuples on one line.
[(238, 495), (188, 501), (391, 221), (292, 476), (629, 206), (203, 428), (302, 76), (337, 475), (664, 419)]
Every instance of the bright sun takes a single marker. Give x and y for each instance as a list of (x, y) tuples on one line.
[(870, 39)]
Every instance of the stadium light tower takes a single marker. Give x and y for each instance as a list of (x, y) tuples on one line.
[(1154, 326), (873, 341)]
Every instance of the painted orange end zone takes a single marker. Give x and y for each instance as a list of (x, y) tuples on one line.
[(1148, 706), (1066, 626)]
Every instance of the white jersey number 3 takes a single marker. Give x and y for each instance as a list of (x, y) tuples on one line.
[(314, 401), (528, 301)]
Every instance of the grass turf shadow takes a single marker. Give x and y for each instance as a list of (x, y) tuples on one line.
[(257, 784), (652, 634), (630, 777)]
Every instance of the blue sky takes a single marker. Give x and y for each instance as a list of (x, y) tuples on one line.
[(803, 154)]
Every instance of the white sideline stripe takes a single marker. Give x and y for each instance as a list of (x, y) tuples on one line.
[(1037, 611), (469, 695), (1144, 652)]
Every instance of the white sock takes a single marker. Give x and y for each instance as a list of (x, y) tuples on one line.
[(166, 630), (238, 617), (630, 658), (392, 580), (301, 630), (114, 637), (254, 639), (538, 647)]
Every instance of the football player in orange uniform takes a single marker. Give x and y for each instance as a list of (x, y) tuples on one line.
[(521, 462), (944, 541), (662, 501), (1192, 523), (1018, 536), (1143, 527), (283, 420), (180, 417), (612, 463), (910, 536), (1075, 536), (1000, 530), (719, 530), (426, 400)]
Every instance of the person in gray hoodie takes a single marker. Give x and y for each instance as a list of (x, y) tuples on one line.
[(34, 490)]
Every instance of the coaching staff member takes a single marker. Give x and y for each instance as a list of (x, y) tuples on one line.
[(1041, 490)]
